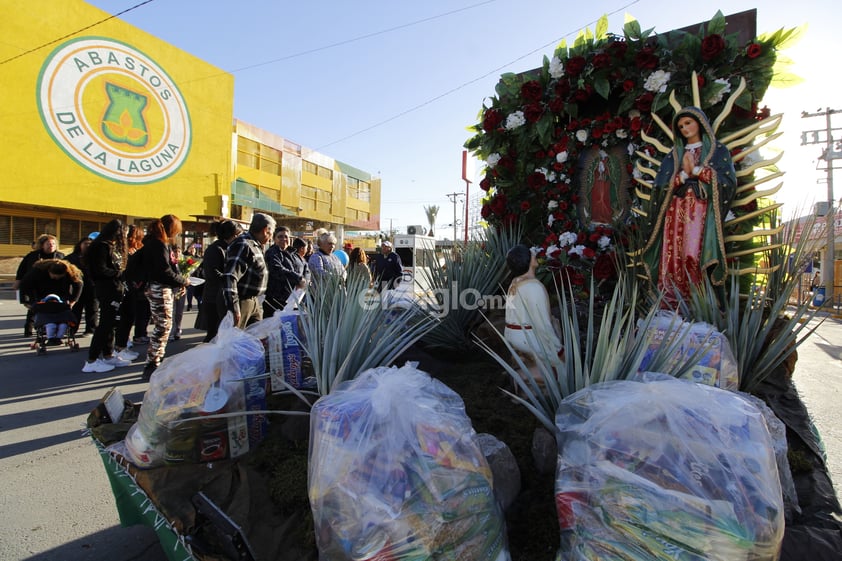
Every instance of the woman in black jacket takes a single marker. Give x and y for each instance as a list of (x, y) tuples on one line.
[(212, 308), (163, 285), (87, 305), (105, 260)]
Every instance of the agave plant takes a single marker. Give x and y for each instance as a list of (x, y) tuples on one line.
[(348, 329), (765, 325), (609, 348), (458, 285)]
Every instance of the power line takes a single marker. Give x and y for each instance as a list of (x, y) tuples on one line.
[(361, 37), (466, 84), (62, 38)]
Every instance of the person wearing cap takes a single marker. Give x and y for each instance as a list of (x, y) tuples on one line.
[(387, 267), (245, 275)]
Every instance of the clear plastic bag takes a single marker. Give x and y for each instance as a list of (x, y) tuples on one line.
[(223, 376), (716, 366), (283, 341), (664, 470), (395, 473)]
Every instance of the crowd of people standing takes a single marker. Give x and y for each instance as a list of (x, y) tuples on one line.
[(126, 278)]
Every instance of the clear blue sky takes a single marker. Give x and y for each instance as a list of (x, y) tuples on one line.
[(390, 86)]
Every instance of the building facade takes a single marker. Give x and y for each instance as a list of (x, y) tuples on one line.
[(112, 122)]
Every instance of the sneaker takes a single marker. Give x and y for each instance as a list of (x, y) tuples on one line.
[(126, 354), (116, 361), (140, 340), (97, 366)]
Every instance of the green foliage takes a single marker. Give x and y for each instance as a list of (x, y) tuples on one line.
[(765, 325), (610, 345), (348, 329), (469, 272)]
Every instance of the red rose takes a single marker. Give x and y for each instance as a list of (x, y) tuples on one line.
[(617, 49), (491, 120), (588, 253), (635, 124), (763, 113), (524, 206), (533, 112), (575, 65), (596, 132), (712, 46), (562, 88), (700, 80), (485, 184), (646, 59), (754, 50), (532, 91), (557, 105), (536, 180), (485, 212), (601, 60), (628, 85), (644, 102), (604, 267), (582, 95), (507, 163)]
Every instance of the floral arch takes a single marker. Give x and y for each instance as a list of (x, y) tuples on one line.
[(592, 110)]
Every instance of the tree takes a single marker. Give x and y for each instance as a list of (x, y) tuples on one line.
[(432, 212)]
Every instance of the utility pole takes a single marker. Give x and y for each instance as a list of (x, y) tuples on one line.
[(454, 198), (829, 155)]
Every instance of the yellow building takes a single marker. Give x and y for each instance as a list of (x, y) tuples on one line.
[(113, 122)]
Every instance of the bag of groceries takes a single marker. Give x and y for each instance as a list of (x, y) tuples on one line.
[(664, 470), (698, 343), (396, 473), (185, 412)]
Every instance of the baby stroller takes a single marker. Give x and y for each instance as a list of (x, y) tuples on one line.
[(55, 325)]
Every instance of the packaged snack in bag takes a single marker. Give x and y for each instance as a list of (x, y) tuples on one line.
[(285, 360), (176, 422), (716, 366), (395, 473), (665, 469)]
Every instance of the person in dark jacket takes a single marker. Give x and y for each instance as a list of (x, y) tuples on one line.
[(46, 248), (53, 278), (285, 273), (212, 308), (87, 305), (164, 284), (106, 259), (387, 267), (245, 276)]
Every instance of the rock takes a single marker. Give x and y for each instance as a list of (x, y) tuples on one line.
[(504, 469), (544, 451)]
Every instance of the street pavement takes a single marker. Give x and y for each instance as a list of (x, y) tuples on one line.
[(55, 500)]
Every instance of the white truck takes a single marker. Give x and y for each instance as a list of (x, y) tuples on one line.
[(417, 253)]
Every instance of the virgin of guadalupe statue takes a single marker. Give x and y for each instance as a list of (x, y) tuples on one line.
[(603, 182), (695, 184)]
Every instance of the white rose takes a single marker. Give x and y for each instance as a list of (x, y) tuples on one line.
[(657, 81), (581, 135), (515, 120), (561, 157), (493, 160), (552, 205)]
